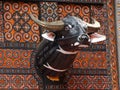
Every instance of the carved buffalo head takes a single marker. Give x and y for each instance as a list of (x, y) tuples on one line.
[(72, 27), (62, 41)]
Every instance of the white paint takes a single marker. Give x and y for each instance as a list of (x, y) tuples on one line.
[(71, 44), (62, 36), (51, 68), (98, 38), (65, 52), (46, 36), (76, 43)]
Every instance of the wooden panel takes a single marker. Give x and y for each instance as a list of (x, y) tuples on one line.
[(118, 33), (94, 68), (18, 30)]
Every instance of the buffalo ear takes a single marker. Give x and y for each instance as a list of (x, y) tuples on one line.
[(49, 36), (94, 27), (96, 37)]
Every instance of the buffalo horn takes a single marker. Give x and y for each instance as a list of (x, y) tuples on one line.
[(52, 26), (93, 27)]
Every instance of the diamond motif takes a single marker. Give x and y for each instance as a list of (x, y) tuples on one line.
[(21, 22), (32, 82), (16, 16), (26, 27), (18, 81), (25, 17), (85, 82), (100, 82), (3, 81), (17, 27)]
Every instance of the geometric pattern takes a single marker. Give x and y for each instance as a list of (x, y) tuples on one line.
[(18, 37), (91, 60), (18, 23), (18, 26), (48, 11), (112, 46), (99, 13), (82, 11), (85, 82), (89, 82), (18, 82), (94, 68), (77, 1), (12, 58)]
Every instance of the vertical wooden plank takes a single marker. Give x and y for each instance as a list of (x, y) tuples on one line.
[(112, 45), (117, 7)]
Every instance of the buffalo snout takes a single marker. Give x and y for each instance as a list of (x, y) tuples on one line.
[(83, 38)]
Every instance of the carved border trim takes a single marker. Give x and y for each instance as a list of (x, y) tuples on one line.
[(68, 1)]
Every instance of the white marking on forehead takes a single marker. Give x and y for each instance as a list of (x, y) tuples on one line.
[(63, 36)]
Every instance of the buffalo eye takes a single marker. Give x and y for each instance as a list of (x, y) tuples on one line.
[(68, 27)]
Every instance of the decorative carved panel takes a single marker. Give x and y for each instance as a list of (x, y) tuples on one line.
[(94, 67)]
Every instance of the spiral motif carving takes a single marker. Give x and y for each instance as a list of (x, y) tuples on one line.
[(35, 37), (85, 10), (25, 7), (16, 6), (34, 8), (35, 27), (61, 16), (77, 9), (7, 16), (7, 6), (68, 8), (26, 37), (18, 24), (8, 36), (86, 18), (73, 9), (8, 26), (17, 36), (60, 9)]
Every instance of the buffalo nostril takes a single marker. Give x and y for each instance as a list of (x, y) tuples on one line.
[(83, 37)]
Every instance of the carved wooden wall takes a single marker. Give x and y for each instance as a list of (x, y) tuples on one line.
[(94, 67)]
